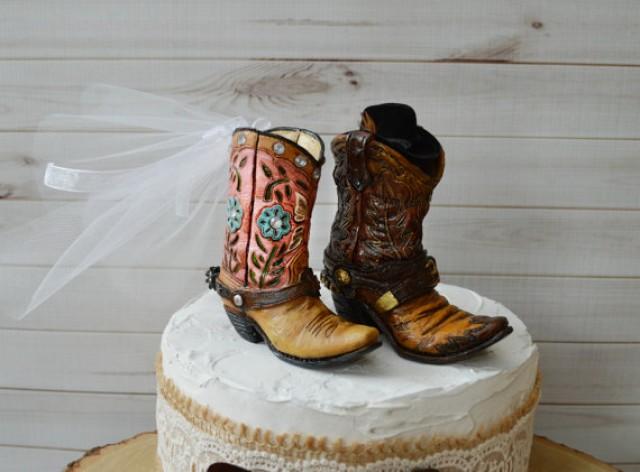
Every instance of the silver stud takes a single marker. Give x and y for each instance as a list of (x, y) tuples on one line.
[(276, 223), (278, 148), (316, 173), (237, 300), (242, 139), (300, 161)]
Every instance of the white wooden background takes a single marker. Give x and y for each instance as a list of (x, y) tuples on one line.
[(536, 102)]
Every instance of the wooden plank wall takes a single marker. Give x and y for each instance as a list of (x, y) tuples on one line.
[(537, 104)]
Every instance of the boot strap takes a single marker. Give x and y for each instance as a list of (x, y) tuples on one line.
[(251, 298), (394, 282), (357, 142)]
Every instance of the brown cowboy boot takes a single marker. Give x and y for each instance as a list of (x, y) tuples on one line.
[(375, 263), (267, 288)]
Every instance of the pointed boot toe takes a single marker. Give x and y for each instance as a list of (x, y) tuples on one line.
[(269, 292), (360, 336), (494, 328), (375, 263)]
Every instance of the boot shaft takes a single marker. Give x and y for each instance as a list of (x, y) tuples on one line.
[(384, 188), (375, 264), (273, 181)]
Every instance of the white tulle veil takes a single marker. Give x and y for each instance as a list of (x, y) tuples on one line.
[(136, 184)]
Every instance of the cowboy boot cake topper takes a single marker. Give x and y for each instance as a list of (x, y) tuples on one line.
[(267, 288), (383, 414), (375, 263)]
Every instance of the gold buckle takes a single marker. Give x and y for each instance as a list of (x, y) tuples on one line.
[(342, 276), (386, 302)]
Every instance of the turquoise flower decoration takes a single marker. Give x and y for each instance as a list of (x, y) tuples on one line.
[(274, 222), (234, 214)]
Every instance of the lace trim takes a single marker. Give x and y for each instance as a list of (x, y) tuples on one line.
[(182, 447), (177, 412)]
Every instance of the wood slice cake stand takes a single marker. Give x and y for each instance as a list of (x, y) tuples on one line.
[(138, 454)]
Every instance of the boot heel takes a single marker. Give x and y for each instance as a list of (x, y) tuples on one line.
[(244, 328), (352, 310)]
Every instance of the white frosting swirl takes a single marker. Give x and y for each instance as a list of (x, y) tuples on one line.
[(380, 396)]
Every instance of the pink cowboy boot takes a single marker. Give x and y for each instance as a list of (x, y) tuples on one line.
[(267, 288)]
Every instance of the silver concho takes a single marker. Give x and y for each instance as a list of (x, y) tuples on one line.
[(300, 161), (278, 148)]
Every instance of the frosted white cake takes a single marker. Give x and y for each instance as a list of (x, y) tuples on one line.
[(222, 399)]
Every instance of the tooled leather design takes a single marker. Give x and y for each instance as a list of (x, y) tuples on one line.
[(383, 222), (240, 194), (377, 229), (431, 325), (304, 327), (323, 324), (265, 274), (268, 188), (279, 259)]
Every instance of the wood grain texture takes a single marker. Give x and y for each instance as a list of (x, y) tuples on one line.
[(72, 420), (500, 81), (91, 362), (560, 309), (27, 459), (120, 299), (532, 241), (547, 455), (497, 241), (451, 99), (480, 171), (123, 362), (610, 433), (587, 373), (135, 454), (497, 30)]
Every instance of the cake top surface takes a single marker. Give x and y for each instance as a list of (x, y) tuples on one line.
[(381, 395)]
